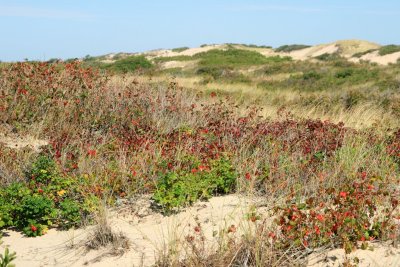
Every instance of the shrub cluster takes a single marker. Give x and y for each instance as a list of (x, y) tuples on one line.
[(290, 48), (388, 49), (47, 199), (194, 181), (357, 212)]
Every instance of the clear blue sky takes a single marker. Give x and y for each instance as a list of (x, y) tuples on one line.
[(43, 29)]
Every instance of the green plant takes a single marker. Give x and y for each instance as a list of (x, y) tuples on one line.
[(47, 199), (7, 258), (179, 49), (290, 48), (235, 58), (174, 58), (178, 188), (11, 198), (328, 57), (43, 171), (344, 73), (360, 54), (34, 229), (36, 210), (389, 49), (70, 212), (130, 64), (312, 75)]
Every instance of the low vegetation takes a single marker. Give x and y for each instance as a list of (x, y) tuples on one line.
[(45, 199), (117, 136), (179, 49), (290, 48), (360, 54), (389, 49)]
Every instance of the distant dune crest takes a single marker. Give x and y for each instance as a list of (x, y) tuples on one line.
[(353, 50)]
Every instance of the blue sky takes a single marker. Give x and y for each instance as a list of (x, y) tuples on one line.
[(43, 29)]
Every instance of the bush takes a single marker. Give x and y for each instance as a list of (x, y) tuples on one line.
[(46, 199), (177, 188), (130, 64), (290, 48), (349, 215), (311, 75), (360, 54), (344, 73), (254, 45), (179, 49), (328, 57), (234, 58), (389, 49), (174, 58), (35, 209)]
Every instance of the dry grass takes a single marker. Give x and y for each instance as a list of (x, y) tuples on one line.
[(323, 104), (102, 235)]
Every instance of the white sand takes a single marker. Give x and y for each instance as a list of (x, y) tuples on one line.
[(147, 231), (150, 232)]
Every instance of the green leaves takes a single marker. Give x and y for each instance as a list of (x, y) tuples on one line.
[(48, 199), (175, 189), (7, 258)]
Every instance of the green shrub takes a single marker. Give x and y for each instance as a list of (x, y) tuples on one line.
[(389, 49), (37, 208), (290, 48), (70, 212), (43, 171), (360, 54), (184, 187), (174, 58), (46, 199), (253, 45), (179, 49), (130, 64), (328, 57), (344, 73), (312, 75), (235, 58)]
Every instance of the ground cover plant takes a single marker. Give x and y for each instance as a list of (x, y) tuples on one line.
[(290, 48), (389, 49), (180, 49), (46, 198), (115, 137)]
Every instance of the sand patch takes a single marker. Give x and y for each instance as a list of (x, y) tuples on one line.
[(14, 141), (148, 232), (381, 60)]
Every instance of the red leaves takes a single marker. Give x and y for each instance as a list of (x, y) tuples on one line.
[(91, 152), (232, 229), (347, 216), (320, 217)]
